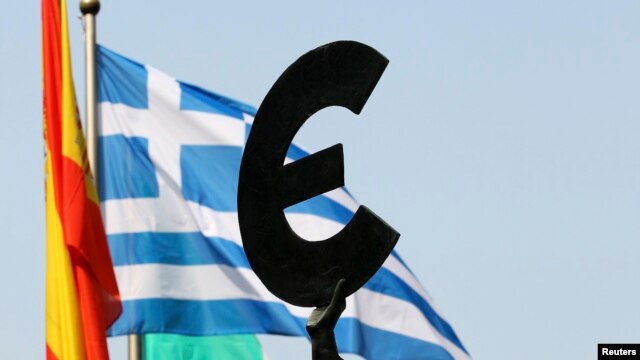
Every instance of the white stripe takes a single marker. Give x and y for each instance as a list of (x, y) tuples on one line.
[(213, 223), (394, 315), (211, 128), (313, 227), (156, 215), (195, 282), (111, 122), (148, 215), (343, 198), (397, 268), (188, 127)]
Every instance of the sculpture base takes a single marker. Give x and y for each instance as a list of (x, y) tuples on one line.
[(321, 323)]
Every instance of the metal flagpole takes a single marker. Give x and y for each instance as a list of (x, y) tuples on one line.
[(134, 347), (89, 9)]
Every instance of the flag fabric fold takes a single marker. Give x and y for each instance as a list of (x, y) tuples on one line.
[(82, 298), (170, 154)]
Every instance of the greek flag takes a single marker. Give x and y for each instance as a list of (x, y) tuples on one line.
[(169, 155)]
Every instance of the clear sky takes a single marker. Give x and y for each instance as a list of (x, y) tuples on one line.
[(503, 142)]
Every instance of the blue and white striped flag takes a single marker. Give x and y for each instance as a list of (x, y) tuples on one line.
[(169, 159)]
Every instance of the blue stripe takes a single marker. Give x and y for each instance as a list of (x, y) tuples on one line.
[(210, 175), (385, 282), (199, 99), (223, 317), (397, 257), (354, 337), (174, 248), (247, 130), (296, 153), (121, 80), (126, 168), (212, 317)]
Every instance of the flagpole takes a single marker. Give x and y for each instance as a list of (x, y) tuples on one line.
[(135, 352), (90, 9)]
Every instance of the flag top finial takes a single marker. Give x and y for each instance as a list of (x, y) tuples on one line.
[(89, 7)]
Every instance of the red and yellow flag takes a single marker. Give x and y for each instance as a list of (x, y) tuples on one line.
[(82, 298)]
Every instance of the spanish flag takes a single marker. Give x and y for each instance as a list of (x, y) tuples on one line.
[(82, 298)]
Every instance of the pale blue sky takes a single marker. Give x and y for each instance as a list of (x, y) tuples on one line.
[(502, 142)]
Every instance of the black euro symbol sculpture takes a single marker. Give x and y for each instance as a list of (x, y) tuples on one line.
[(301, 272)]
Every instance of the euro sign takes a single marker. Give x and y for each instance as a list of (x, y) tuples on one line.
[(301, 272)]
